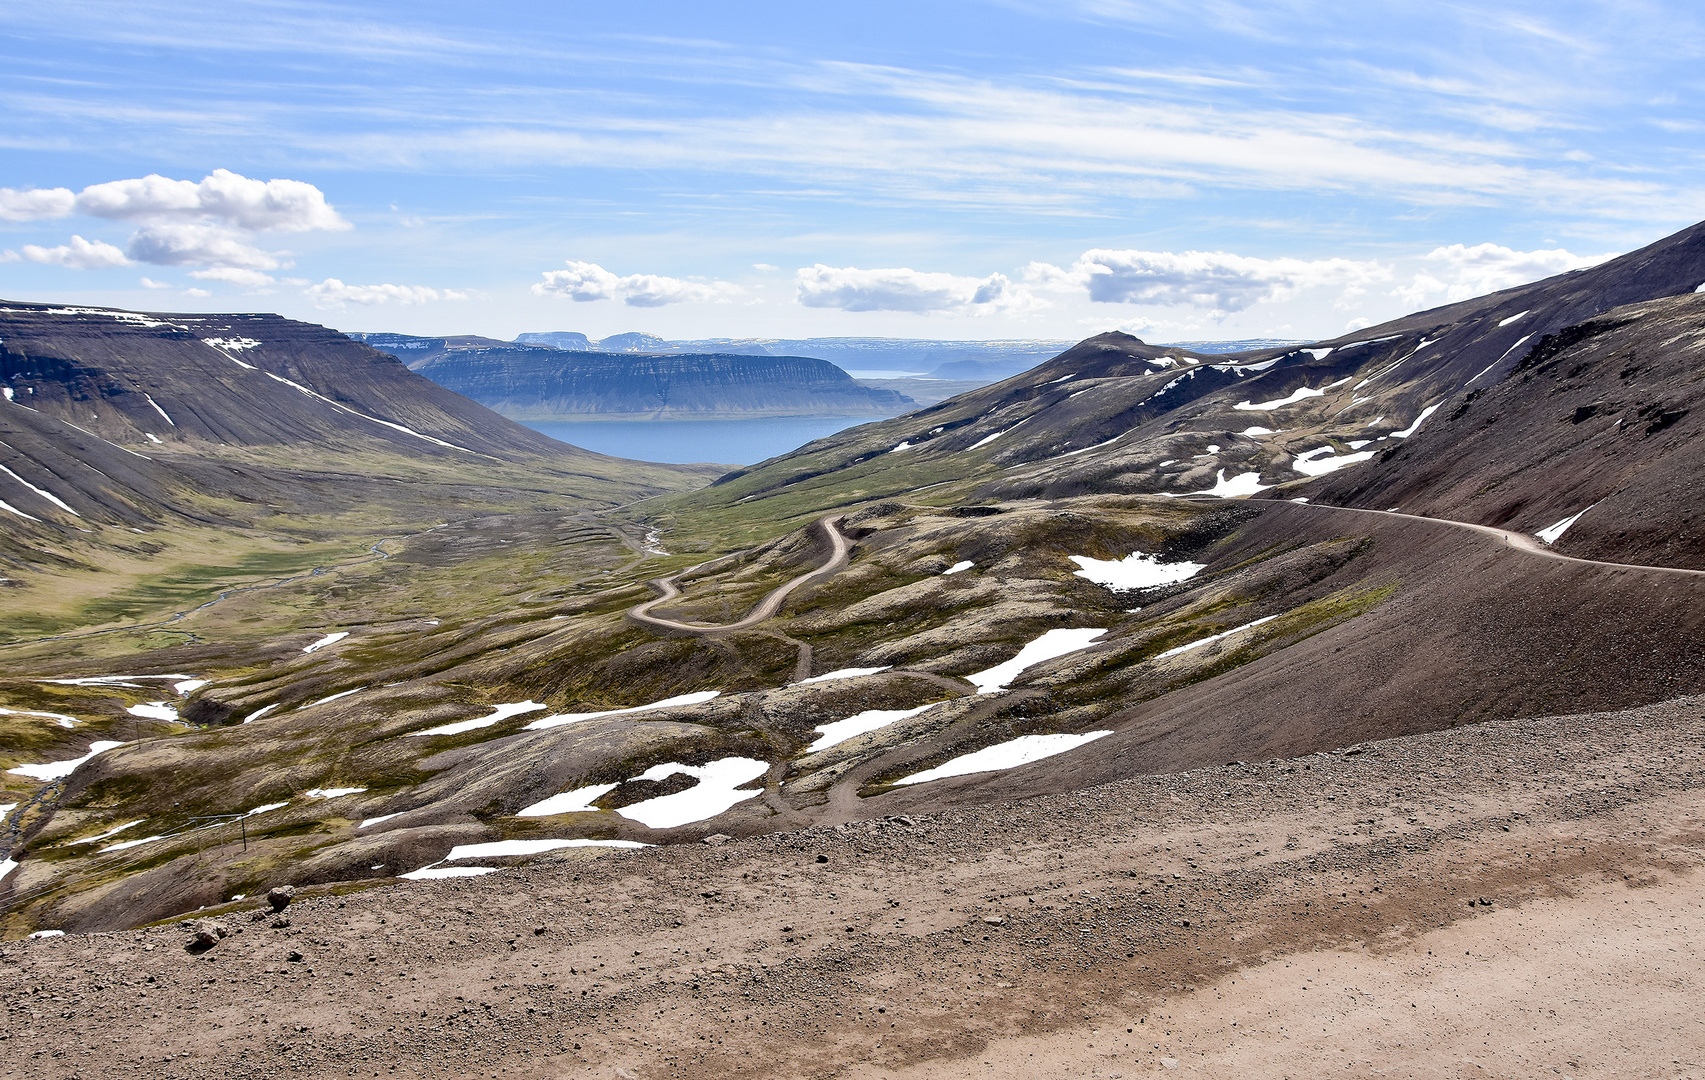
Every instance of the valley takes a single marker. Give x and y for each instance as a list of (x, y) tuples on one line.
[(339, 628)]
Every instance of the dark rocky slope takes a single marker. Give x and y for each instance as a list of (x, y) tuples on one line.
[(538, 384)]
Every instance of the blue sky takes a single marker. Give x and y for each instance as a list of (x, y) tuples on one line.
[(961, 168)]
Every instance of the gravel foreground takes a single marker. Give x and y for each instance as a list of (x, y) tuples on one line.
[(1514, 898)]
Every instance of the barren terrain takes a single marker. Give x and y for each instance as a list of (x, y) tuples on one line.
[(1515, 898)]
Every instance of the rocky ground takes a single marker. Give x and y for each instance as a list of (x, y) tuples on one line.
[(1515, 898)]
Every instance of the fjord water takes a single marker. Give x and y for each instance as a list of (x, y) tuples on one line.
[(681, 442)]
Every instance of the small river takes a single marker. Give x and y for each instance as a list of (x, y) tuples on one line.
[(728, 442)]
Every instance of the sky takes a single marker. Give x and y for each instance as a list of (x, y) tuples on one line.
[(966, 169)]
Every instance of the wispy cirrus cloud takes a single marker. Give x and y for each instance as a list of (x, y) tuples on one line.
[(332, 293), (585, 282)]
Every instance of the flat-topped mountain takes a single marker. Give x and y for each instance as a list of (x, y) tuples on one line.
[(544, 384)]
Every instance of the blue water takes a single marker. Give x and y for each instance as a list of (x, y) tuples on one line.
[(728, 442)]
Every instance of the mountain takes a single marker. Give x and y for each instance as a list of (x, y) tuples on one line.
[(117, 423), (1129, 560), (550, 385), (558, 339)]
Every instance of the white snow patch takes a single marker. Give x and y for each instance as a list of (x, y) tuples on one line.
[(902, 446), (1097, 446), (266, 808), (843, 673), (1197, 644), (46, 933), (1054, 643), (560, 719), (159, 410), (114, 831), (1062, 378), (6, 391), (1008, 755), (232, 344), (1300, 498), (862, 723), (958, 567), (1500, 359), (6, 867), (1318, 354), (1242, 484), (1552, 533), (577, 801), (1357, 444), (1311, 464), (10, 509), (260, 712), (344, 408), (128, 844), (115, 680), (985, 440), (428, 873), (1416, 426), (43, 492), (1255, 431), (1513, 318), (334, 697), (714, 792), (1213, 448), (189, 686), (1299, 394), (499, 714), (382, 817), (1138, 570), (54, 770), (332, 793), (60, 718), (329, 639)]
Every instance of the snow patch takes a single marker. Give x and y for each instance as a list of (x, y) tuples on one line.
[(260, 712), (428, 873), (329, 639), (1053, 644), (266, 808), (114, 831), (1299, 394), (560, 719), (382, 817), (1416, 426), (1198, 643), (714, 792), (1138, 570), (60, 718), (1255, 431), (1242, 484), (189, 686), (852, 727), (332, 793), (1312, 464), (498, 715), (1513, 318), (843, 673), (155, 710), (1008, 755), (959, 567), (577, 801), (902, 446), (159, 410), (1552, 533), (43, 492), (54, 770)]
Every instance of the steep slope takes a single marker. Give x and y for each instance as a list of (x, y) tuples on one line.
[(1114, 415), (549, 385)]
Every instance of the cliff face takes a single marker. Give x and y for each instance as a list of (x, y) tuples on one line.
[(541, 385)]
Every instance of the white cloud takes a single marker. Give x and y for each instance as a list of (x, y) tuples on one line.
[(183, 244), (904, 289), (223, 196), (232, 275), (1216, 281), (35, 204), (197, 292), (584, 282), (1459, 272), (150, 283), (79, 254), (9, 255), (332, 293)]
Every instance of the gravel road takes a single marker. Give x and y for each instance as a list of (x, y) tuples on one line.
[(1517, 897)]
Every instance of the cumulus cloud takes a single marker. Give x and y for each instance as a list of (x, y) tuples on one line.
[(150, 283), (175, 244), (1217, 281), (79, 254), (584, 282), (225, 197), (35, 204), (332, 293), (232, 275), (902, 289), (1458, 272)]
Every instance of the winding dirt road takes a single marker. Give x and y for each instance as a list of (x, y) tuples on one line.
[(767, 607), (1517, 540)]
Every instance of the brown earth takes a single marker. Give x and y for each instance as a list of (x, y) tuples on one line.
[(1517, 898)]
